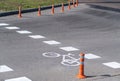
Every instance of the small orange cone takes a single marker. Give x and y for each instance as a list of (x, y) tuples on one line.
[(62, 9), (52, 11), (69, 6), (39, 11), (80, 74), (19, 12), (73, 3), (76, 2)]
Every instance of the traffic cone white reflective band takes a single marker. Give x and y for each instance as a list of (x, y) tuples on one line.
[(82, 57), (80, 74), (82, 63)]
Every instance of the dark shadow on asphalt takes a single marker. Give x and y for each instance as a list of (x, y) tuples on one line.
[(106, 75)]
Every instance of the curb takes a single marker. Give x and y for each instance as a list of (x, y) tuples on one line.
[(28, 10), (104, 7)]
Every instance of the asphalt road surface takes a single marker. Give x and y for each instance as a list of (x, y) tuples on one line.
[(106, 3), (36, 48)]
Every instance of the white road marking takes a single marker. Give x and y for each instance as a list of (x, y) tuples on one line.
[(70, 63), (4, 68), (51, 42), (91, 56), (4, 24), (114, 65), (51, 54), (36, 36), (24, 32), (70, 48), (12, 28), (68, 60), (19, 79)]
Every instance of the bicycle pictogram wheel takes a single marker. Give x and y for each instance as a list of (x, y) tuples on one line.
[(51, 54)]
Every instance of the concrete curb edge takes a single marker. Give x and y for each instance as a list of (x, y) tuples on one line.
[(28, 10)]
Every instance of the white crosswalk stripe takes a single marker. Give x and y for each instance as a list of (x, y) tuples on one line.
[(12, 28), (36, 36), (69, 48), (19, 79), (91, 56), (4, 24), (51, 42), (4, 68), (24, 32), (114, 65)]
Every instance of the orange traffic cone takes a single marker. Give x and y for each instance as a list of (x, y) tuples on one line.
[(76, 2), (62, 9), (69, 6), (19, 12), (73, 3), (39, 11), (52, 11), (81, 75)]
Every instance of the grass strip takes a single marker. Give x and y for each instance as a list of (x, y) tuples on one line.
[(11, 5)]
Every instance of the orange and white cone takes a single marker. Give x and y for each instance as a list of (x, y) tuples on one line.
[(69, 7), (62, 9), (76, 2), (19, 12), (80, 74), (52, 11), (39, 11), (73, 3)]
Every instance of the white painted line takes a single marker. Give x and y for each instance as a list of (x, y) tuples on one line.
[(12, 28), (19, 79), (36, 36), (4, 68), (114, 65), (4, 24), (91, 56), (23, 32), (69, 48), (51, 42)]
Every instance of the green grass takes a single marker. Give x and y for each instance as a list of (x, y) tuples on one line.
[(9, 5)]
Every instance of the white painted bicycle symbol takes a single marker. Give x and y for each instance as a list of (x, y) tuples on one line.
[(67, 60)]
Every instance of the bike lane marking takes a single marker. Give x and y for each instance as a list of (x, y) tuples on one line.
[(68, 59), (69, 48), (114, 65), (51, 54), (19, 79), (4, 68), (53, 42)]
